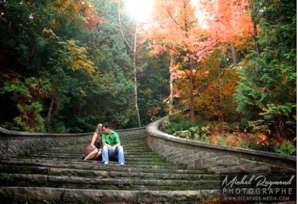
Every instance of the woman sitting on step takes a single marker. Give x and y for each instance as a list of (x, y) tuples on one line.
[(93, 150)]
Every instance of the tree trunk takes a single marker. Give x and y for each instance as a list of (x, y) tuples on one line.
[(220, 107), (234, 55), (171, 89), (133, 49), (49, 116), (134, 65), (191, 90), (255, 29)]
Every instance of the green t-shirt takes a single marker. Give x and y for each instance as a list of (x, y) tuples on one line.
[(110, 139)]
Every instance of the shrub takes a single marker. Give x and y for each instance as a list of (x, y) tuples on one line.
[(285, 148), (224, 134), (173, 124)]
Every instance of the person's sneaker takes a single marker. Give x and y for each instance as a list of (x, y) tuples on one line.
[(105, 162), (122, 164)]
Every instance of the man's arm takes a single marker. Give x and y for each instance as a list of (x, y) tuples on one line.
[(117, 139)]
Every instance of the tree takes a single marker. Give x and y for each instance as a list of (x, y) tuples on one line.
[(130, 37), (267, 84), (178, 30), (50, 43), (153, 84), (216, 84)]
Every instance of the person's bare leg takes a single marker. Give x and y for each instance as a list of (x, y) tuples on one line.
[(98, 154), (92, 155)]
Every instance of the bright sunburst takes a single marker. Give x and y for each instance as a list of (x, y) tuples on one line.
[(139, 9)]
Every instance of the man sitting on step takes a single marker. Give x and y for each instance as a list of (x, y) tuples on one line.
[(112, 148)]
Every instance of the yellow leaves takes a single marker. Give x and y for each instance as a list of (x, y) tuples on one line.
[(62, 6), (49, 33), (82, 64), (72, 54), (75, 10), (77, 57)]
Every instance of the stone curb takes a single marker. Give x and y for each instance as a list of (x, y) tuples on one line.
[(197, 154)]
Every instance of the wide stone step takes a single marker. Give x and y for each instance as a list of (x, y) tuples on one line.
[(72, 182), (73, 155), (117, 173), (81, 149), (91, 164), (94, 165), (76, 196), (131, 145), (134, 151)]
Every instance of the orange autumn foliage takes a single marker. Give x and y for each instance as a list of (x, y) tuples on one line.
[(233, 142), (89, 12), (197, 26), (228, 20), (174, 28), (72, 8), (190, 30), (213, 139), (261, 139)]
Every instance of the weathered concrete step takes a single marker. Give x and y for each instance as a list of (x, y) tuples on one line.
[(137, 163), (31, 180), (81, 151), (126, 152), (94, 165), (76, 196), (75, 156), (58, 171), (135, 145), (135, 151), (79, 162)]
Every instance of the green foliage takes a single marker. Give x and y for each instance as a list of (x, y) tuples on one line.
[(83, 75), (76, 57), (185, 128), (194, 133), (243, 143), (153, 86), (228, 135), (6, 177), (183, 134), (30, 119), (257, 126), (174, 123), (29, 97), (221, 141), (285, 148), (34, 74), (58, 74), (267, 80), (183, 125)]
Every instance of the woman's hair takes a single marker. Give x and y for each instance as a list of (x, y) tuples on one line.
[(98, 127)]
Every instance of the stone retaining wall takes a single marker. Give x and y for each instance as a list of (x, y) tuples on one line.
[(14, 143), (214, 158)]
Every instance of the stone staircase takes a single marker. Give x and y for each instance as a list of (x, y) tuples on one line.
[(58, 175)]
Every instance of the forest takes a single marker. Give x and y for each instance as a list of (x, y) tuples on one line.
[(66, 65)]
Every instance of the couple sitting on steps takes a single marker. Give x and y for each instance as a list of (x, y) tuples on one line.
[(105, 144)]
